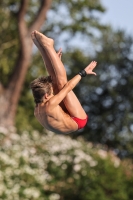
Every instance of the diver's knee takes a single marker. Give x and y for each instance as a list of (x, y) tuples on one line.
[(61, 83)]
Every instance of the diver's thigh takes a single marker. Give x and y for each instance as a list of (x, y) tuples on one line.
[(73, 106)]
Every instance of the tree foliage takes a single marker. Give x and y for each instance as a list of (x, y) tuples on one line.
[(21, 24), (109, 97), (76, 27), (25, 16), (55, 167)]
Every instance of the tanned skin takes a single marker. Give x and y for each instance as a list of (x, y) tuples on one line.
[(50, 113)]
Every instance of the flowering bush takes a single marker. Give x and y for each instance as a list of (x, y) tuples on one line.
[(55, 167)]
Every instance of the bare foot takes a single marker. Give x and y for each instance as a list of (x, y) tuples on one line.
[(39, 46), (42, 39), (35, 40)]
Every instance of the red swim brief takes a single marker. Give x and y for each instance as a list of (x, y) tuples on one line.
[(81, 122)]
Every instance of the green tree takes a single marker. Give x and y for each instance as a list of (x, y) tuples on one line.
[(108, 98), (77, 29), (21, 18), (50, 166), (17, 22)]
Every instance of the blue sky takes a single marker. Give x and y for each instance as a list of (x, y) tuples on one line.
[(119, 13)]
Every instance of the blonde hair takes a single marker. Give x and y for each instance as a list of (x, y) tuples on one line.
[(40, 87)]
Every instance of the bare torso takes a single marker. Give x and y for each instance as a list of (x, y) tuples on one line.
[(56, 120)]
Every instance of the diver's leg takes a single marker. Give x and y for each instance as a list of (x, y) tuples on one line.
[(49, 54), (47, 62)]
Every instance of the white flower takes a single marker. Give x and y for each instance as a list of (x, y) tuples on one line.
[(82, 156), (15, 137), (3, 130), (2, 188), (54, 196), (64, 166), (32, 192), (77, 167), (116, 162), (102, 153)]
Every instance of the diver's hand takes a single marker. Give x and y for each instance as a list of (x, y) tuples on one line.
[(90, 67)]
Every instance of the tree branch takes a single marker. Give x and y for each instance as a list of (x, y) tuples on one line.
[(24, 56), (22, 10), (41, 16), (21, 22)]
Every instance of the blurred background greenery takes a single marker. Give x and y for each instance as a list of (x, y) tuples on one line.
[(55, 167), (30, 169)]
